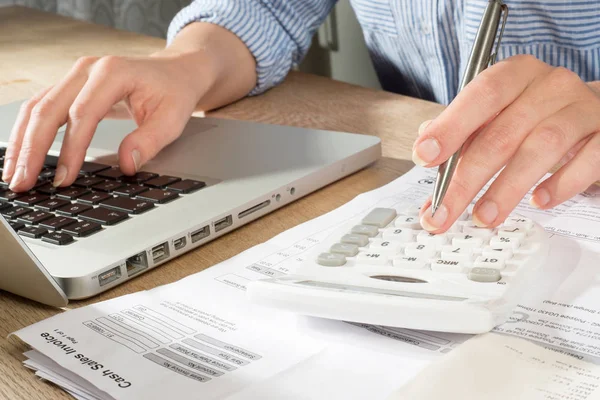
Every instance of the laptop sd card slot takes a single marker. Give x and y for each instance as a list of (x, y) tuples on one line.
[(254, 209)]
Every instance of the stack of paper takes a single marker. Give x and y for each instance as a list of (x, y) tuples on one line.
[(199, 337)]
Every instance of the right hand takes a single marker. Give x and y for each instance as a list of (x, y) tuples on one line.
[(160, 92)]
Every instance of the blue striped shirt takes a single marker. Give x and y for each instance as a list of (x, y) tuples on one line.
[(418, 47)]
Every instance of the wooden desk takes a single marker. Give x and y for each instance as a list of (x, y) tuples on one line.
[(37, 49)]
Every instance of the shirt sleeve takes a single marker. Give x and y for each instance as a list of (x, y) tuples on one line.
[(278, 33)]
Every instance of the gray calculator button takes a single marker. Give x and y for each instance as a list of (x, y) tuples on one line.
[(331, 259), (359, 240), (368, 230), (347, 249), (380, 217), (484, 275)]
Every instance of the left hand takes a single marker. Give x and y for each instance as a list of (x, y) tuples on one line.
[(526, 116)]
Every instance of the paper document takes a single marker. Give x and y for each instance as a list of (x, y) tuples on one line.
[(201, 338)]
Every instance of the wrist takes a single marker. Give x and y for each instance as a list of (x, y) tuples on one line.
[(595, 86)]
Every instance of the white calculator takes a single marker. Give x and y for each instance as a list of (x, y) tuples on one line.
[(384, 269)]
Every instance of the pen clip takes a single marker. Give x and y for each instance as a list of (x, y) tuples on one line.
[(505, 16)]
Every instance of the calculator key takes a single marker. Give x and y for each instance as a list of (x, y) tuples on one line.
[(131, 206), (72, 193), (107, 186), (112, 174), (186, 186), (367, 230), (57, 223), (88, 181), (347, 249), (104, 216), (31, 199), (130, 190), (140, 177), (35, 217), (410, 211), (491, 252), (94, 198), (411, 222), (9, 195), (91, 168), (512, 232), (359, 240), (464, 240), (452, 266), (425, 237), (504, 243), (420, 250), (385, 246), (473, 230), (379, 217), (331, 259), (398, 234), (456, 253), (162, 181), (15, 212), (58, 238), (52, 204), (82, 229), (489, 262), (372, 258), (484, 275), (410, 262), (33, 232), (16, 225), (158, 196), (73, 210), (521, 222)]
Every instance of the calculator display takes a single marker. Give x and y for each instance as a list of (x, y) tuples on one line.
[(371, 290)]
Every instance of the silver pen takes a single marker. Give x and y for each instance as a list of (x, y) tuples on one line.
[(481, 57)]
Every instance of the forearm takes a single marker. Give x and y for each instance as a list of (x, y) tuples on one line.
[(229, 69)]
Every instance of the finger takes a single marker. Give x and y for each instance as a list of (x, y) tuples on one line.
[(158, 130), (542, 149), (17, 133), (484, 97), (46, 117), (573, 178), (109, 81)]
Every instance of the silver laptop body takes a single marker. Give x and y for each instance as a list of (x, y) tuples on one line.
[(249, 170)]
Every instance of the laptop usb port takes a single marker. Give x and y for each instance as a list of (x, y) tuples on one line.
[(200, 234), (180, 243), (136, 264), (109, 276), (160, 252), (223, 223)]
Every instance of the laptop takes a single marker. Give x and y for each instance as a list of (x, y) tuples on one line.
[(73, 243)]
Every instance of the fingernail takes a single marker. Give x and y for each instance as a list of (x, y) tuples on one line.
[(7, 167), (60, 175), (485, 214), (137, 159), (423, 126), (426, 151), (18, 177), (434, 223), (540, 198)]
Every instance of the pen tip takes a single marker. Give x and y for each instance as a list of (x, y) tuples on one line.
[(433, 209)]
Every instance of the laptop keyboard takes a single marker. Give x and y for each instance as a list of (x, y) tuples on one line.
[(101, 197)]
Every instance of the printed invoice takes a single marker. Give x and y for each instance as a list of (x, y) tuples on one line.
[(200, 336)]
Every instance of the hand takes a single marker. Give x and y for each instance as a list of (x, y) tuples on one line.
[(523, 115), (160, 92)]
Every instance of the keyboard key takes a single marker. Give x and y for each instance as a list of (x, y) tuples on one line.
[(94, 198), (88, 181), (130, 190), (359, 240), (15, 212), (372, 258), (331, 260), (35, 217), (47, 189), (489, 262), (107, 186), (72, 193), (16, 225), (2, 151), (73, 210), (409, 262), (379, 217), (158, 196), (51, 161), (140, 177), (82, 229), (57, 223), (367, 230), (131, 206), (104, 216), (47, 173), (186, 186), (58, 238), (112, 173), (4, 206), (411, 222), (31, 199), (52, 204), (484, 275), (91, 168), (34, 232), (9, 195), (162, 181), (349, 250), (398, 234)]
